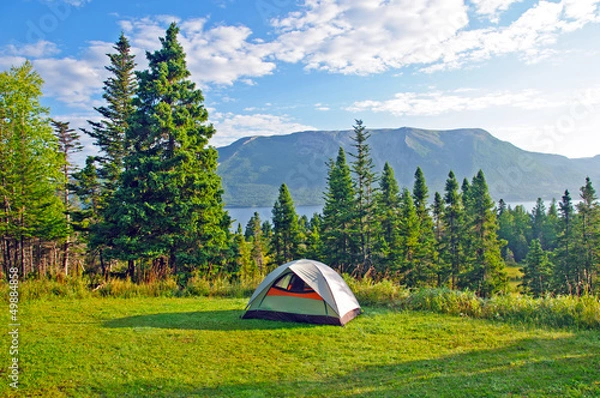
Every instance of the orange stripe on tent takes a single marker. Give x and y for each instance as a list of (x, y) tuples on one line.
[(308, 295)]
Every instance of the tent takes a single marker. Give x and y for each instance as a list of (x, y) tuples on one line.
[(303, 291)]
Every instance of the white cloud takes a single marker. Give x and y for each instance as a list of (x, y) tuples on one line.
[(441, 102), (231, 127), (367, 36), (530, 36), (372, 36), (222, 54), (492, 8), (42, 48)]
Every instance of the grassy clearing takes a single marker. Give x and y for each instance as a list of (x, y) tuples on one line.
[(181, 347)]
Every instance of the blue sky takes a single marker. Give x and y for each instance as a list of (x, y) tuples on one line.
[(526, 71)]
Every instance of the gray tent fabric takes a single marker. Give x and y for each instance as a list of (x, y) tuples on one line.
[(339, 303)]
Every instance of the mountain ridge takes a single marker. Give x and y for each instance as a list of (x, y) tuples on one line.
[(253, 168)]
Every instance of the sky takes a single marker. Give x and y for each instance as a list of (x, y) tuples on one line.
[(526, 71)]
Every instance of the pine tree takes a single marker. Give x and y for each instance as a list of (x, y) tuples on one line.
[(338, 235), (551, 227), (537, 273), (439, 231), (110, 133), (426, 254), (30, 172), (587, 237), (168, 208), (538, 221), (254, 235), (410, 268), (286, 235), (365, 179), (452, 248), (314, 244), (486, 274), (565, 271), (68, 144), (388, 245), (109, 136)]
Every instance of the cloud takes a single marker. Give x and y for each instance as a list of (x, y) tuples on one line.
[(40, 49), (440, 102), (530, 36), (221, 54), (492, 8), (231, 127), (367, 36), (372, 36)]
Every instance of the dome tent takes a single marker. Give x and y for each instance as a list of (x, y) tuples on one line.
[(303, 291)]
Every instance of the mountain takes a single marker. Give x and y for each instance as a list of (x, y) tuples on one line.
[(253, 168)]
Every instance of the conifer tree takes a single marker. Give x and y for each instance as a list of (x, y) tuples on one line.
[(388, 246), (168, 208), (365, 178), (338, 235), (314, 244), (410, 268), (587, 237), (486, 274), (254, 235), (286, 235), (538, 221), (551, 227), (110, 132), (537, 273), (452, 248), (68, 144), (426, 254), (565, 272), (30, 170), (438, 228)]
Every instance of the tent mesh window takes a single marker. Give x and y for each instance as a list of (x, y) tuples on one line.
[(293, 284)]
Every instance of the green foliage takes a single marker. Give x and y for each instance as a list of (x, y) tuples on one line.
[(537, 273), (168, 208), (364, 186), (338, 235), (30, 170), (286, 233)]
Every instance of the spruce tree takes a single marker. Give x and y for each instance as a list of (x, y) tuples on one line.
[(68, 144), (566, 265), (452, 248), (110, 132), (587, 237), (486, 274), (168, 208), (286, 234), (388, 245), (439, 231), (538, 221), (364, 181), (426, 254), (338, 235), (537, 272), (410, 268)]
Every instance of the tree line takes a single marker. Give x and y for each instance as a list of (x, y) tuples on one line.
[(149, 204)]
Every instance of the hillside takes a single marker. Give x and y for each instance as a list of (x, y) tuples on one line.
[(253, 168)]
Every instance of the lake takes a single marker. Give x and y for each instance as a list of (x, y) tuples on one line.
[(242, 215)]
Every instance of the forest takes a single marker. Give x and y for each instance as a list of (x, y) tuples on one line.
[(149, 205)]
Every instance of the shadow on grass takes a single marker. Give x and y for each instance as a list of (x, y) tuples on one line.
[(229, 320), (565, 367)]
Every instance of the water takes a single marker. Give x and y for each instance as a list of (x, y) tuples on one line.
[(242, 215)]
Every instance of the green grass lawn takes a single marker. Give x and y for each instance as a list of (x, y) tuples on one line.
[(182, 347)]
